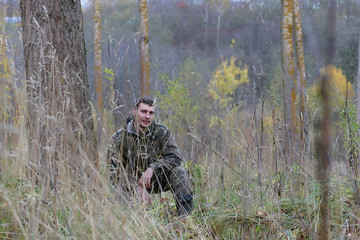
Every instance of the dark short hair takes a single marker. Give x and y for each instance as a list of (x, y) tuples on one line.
[(147, 100)]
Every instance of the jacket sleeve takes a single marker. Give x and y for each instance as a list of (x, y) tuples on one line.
[(169, 156), (115, 159), (113, 156)]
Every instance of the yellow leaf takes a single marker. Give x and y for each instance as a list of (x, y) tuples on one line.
[(228, 76), (338, 85)]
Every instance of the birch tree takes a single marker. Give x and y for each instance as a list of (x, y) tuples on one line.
[(288, 70), (9, 109), (292, 45), (144, 48), (205, 17), (97, 56), (301, 68), (358, 83), (220, 7)]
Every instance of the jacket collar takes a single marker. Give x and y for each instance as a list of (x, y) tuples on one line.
[(131, 129)]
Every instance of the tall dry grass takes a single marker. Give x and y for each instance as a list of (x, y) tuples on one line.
[(239, 193), (92, 209), (50, 188)]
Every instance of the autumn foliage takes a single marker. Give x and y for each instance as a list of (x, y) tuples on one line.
[(340, 89), (226, 79)]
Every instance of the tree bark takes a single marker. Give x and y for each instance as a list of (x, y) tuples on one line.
[(205, 18), (323, 144), (301, 66), (220, 11), (288, 72), (144, 48), (9, 108), (59, 121), (358, 84), (97, 56)]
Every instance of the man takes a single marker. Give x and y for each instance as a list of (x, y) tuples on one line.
[(144, 158)]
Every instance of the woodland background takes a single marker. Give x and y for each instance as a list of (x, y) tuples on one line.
[(270, 144)]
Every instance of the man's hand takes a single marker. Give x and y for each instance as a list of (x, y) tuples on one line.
[(144, 183), (145, 180), (143, 195)]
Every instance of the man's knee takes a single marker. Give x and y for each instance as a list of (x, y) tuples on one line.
[(178, 174), (179, 181), (179, 170)]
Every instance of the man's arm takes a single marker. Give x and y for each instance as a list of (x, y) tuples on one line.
[(113, 155), (144, 183), (145, 180), (117, 162), (169, 156)]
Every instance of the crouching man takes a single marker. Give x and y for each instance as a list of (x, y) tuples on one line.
[(144, 158)]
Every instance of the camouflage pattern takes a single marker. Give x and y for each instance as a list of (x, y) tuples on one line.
[(129, 155)]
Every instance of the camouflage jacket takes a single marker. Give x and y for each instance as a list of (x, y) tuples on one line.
[(129, 154)]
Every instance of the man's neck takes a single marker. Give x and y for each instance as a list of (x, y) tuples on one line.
[(140, 130)]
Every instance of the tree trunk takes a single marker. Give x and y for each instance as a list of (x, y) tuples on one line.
[(205, 17), (323, 145), (301, 66), (98, 69), (322, 148), (59, 121), (97, 56), (220, 11), (358, 84), (144, 48), (288, 72), (9, 109)]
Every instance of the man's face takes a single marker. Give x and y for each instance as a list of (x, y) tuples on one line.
[(144, 115)]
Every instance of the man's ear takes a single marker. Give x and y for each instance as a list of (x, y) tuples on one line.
[(134, 111)]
